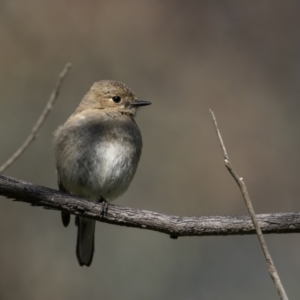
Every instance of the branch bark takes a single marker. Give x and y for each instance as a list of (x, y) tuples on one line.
[(242, 186), (175, 226)]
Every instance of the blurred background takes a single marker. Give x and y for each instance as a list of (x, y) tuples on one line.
[(239, 58)]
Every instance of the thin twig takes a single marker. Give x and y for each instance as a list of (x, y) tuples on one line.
[(239, 180), (32, 136), (174, 226)]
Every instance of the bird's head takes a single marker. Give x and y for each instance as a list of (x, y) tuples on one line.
[(113, 96)]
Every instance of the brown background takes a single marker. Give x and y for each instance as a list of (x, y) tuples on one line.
[(240, 58)]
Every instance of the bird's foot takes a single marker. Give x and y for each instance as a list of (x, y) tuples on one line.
[(104, 205)]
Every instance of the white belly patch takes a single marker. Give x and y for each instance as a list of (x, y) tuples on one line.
[(115, 167)]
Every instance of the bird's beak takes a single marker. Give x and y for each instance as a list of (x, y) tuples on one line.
[(138, 103)]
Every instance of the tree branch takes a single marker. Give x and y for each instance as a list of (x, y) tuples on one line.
[(175, 226), (240, 182), (32, 136)]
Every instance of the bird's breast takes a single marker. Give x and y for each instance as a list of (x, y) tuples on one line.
[(115, 160), (98, 159), (112, 167)]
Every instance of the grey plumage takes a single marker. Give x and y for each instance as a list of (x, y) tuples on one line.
[(97, 152)]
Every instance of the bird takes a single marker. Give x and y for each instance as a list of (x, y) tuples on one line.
[(97, 151)]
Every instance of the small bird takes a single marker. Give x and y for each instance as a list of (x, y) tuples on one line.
[(97, 152)]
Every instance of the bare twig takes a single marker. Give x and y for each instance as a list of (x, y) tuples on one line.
[(32, 136), (239, 180), (174, 226)]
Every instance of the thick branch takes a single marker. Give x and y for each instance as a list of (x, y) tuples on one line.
[(174, 226)]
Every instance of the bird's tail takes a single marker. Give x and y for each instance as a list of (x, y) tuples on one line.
[(85, 241)]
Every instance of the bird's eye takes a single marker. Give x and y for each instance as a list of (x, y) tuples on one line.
[(116, 99)]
